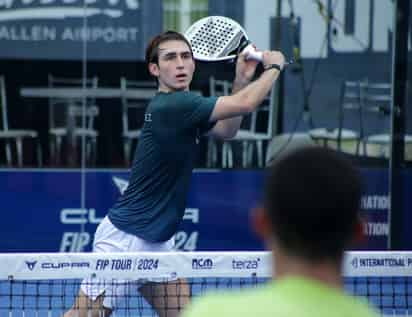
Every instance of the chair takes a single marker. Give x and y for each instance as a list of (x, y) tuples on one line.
[(63, 112), (340, 138), (17, 135), (131, 126), (250, 137), (216, 88), (365, 98), (377, 98)]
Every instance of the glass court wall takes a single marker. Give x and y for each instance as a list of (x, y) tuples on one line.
[(75, 85)]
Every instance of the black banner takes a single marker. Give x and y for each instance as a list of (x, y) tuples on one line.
[(73, 29)]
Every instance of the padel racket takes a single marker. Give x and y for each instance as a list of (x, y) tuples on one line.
[(217, 38)]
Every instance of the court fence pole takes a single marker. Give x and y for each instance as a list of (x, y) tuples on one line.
[(396, 212)]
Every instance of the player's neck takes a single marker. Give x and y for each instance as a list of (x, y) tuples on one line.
[(167, 89), (324, 271)]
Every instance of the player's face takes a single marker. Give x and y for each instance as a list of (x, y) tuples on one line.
[(175, 66)]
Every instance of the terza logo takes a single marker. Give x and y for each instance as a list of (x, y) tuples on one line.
[(202, 264), (245, 264)]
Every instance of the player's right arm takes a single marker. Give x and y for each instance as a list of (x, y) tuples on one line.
[(250, 97)]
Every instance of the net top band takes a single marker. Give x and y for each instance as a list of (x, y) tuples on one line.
[(38, 266)]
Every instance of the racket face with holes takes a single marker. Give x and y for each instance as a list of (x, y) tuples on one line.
[(216, 38)]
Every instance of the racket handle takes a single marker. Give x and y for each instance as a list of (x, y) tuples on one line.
[(252, 53)]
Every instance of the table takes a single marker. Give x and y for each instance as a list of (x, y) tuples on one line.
[(80, 92)]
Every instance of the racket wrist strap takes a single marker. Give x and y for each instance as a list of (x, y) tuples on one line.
[(271, 66)]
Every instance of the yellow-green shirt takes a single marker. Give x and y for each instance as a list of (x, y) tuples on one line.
[(288, 297)]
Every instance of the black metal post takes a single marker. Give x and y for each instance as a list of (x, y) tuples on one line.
[(399, 83), (278, 114)]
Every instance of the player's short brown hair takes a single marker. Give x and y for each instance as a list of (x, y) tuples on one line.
[(152, 50)]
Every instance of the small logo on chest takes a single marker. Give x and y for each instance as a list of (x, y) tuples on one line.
[(148, 117)]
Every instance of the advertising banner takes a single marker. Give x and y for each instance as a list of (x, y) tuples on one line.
[(76, 29), (42, 213)]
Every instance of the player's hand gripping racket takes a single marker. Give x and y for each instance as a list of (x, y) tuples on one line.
[(217, 38)]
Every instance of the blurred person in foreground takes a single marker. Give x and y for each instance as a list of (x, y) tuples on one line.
[(309, 217)]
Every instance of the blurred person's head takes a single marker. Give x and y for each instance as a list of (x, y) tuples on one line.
[(311, 205), (169, 58)]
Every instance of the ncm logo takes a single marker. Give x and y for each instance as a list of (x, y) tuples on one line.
[(202, 264)]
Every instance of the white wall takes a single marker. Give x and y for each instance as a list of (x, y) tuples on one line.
[(314, 25)]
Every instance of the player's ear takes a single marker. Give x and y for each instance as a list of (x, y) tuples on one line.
[(154, 69), (261, 223)]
